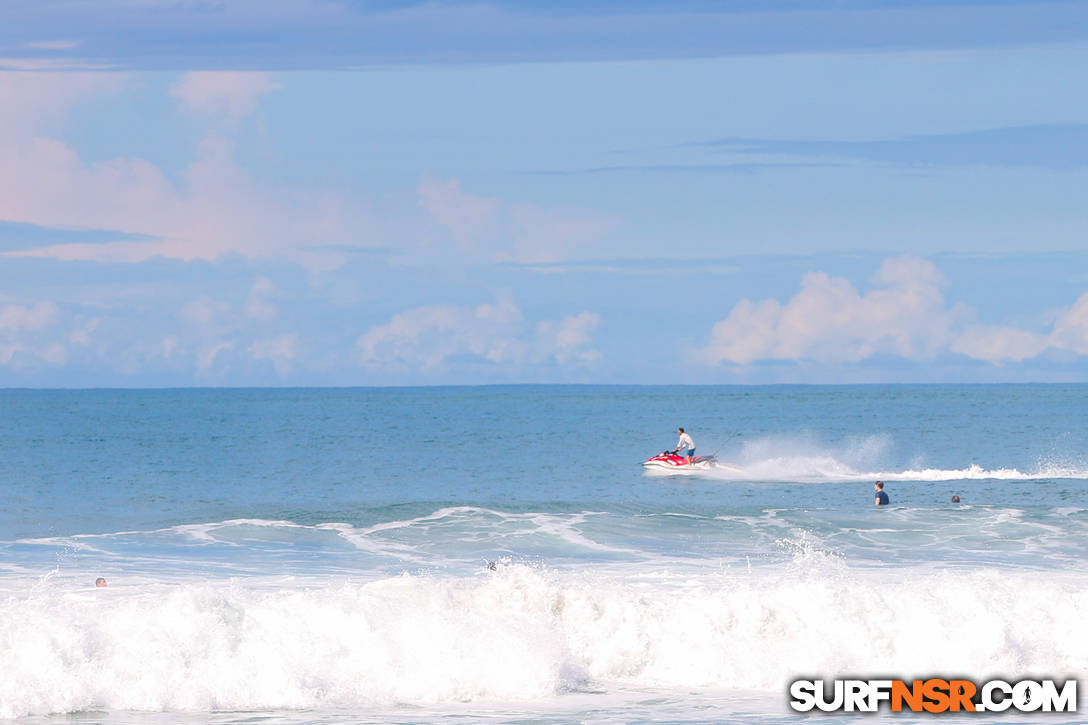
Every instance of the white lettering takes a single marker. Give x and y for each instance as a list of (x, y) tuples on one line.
[(1064, 701), (879, 691), (988, 700), (836, 700), (1027, 696), (855, 696), (803, 693)]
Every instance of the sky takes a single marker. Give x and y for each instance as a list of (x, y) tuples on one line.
[(342, 192)]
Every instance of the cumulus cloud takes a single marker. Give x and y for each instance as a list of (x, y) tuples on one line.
[(830, 321), (905, 315), (427, 338), (27, 335), (999, 343), (1071, 328), (212, 208), (213, 327), (279, 350), (232, 332), (569, 339), (215, 208), (17, 318), (228, 94)]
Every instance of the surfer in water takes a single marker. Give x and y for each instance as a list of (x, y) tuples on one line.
[(685, 446), (881, 497)]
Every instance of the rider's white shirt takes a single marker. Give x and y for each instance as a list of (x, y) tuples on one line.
[(685, 442)]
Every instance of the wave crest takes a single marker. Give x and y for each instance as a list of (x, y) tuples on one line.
[(521, 633)]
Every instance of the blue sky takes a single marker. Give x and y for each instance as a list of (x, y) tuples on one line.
[(371, 193)]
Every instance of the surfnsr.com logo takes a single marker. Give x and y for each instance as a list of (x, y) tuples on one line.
[(933, 695)]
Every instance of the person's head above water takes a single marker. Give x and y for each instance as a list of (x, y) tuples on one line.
[(100, 582), (955, 499), (879, 485)]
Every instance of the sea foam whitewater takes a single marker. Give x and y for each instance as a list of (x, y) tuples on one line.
[(519, 633), (267, 558)]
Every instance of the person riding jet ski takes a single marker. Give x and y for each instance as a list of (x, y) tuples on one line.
[(685, 446)]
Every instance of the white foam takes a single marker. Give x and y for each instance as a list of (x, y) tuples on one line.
[(457, 535), (524, 633), (808, 469), (801, 460)]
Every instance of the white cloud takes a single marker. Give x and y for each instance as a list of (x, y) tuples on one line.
[(216, 209), (257, 305), (211, 327), (206, 356), (83, 334), (1071, 328), (568, 339), (999, 343), (280, 351), (18, 318), (228, 94), (467, 217), (904, 315), (830, 321), (169, 346), (208, 329), (212, 208), (427, 338), (28, 335)]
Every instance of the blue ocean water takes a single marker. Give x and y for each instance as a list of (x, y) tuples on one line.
[(322, 555)]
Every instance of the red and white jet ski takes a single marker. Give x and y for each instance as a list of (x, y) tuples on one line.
[(669, 460)]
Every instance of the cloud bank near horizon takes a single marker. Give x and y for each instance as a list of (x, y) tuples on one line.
[(904, 315), (260, 330)]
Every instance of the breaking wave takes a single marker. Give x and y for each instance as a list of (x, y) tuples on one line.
[(521, 633)]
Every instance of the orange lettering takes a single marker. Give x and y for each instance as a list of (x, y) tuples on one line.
[(936, 692), (960, 694), (911, 695)]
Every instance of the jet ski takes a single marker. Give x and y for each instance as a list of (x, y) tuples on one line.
[(669, 460)]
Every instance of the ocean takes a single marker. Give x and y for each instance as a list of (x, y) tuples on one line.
[(498, 554)]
